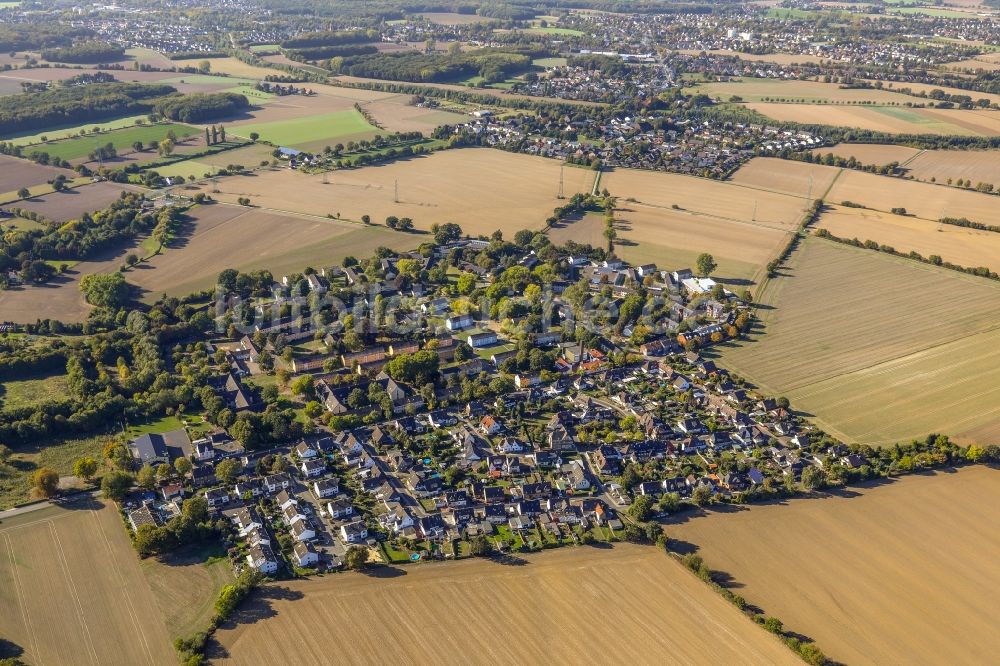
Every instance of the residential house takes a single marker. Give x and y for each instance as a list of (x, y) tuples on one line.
[(262, 558), (305, 555)]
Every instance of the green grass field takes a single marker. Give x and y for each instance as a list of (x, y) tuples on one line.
[(301, 131), (209, 80), (73, 130), (72, 149), (258, 48), (59, 454), (549, 62)]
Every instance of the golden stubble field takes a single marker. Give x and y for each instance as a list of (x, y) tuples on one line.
[(878, 349), (630, 604), (957, 245), (979, 166), (903, 573), (925, 200), (800, 179), (479, 188), (870, 153), (894, 120), (71, 590), (222, 236)]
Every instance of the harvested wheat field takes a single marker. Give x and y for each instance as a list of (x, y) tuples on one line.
[(931, 202), (979, 166), (398, 114), (674, 239), (799, 179), (899, 573), (891, 119), (985, 61), (777, 58), (703, 197), (956, 245), (870, 153), (652, 609), (222, 236), (759, 90), (71, 591), (876, 348), (479, 188)]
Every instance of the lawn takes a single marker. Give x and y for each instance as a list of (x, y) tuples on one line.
[(549, 62), (122, 139), (300, 131), (160, 425)]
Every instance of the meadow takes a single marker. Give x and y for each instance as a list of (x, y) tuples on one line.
[(550, 607), (876, 348), (893, 120), (310, 132), (479, 188), (29, 391), (930, 202), (899, 573), (957, 245), (122, 139)]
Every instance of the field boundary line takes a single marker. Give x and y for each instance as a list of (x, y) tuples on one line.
[(73, 591), (124, 588), (20, 599), (291, 213)]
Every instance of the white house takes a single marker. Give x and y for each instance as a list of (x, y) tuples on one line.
[(305, 554), (458, 322), (325, 488), (313, 468), (340, 508), (354, 532), (262, 558)]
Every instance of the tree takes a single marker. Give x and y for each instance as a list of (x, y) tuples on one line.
[(813, 478), (228, 470), (642, 508), (131, 258), (208, 138), (182, 466), (146, 477), (166, 147), (254, 136), (356, 557), (46, 481), (23, 193), (304, 385), (222, 134), (701, 495), (705, 263), (85, 468), (115, 485), (481, 546), (104, 290)]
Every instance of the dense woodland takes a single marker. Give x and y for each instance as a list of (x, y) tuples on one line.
[(201, 107), (492, 65), (85, 53), (76, 105), (23, 36)]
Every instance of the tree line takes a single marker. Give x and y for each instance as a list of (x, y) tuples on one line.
[(85, 53)]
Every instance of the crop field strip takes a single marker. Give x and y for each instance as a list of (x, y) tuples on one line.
[(549, 604), (899, 573), (924, 200), (893, 120), (59, 558), (957, 245), (864, 343)]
